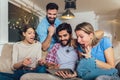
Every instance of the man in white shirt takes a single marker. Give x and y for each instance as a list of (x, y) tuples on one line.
[(63, 54)]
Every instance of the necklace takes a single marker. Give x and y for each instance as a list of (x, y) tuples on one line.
[(67, 50)]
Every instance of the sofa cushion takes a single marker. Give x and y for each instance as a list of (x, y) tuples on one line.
[(43, 76), (38, 76), (118, 68), (6, 58)]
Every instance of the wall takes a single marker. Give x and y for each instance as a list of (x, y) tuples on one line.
[(3, 21), (1, 46), (83, 17), (117, 31), (110, 26)]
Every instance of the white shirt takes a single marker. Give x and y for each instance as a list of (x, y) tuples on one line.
[(67, 57)]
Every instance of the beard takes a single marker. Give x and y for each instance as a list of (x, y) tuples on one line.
[(68, 42), (50, 21)]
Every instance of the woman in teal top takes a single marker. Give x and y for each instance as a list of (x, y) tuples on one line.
[(98, 50), (96, 56)]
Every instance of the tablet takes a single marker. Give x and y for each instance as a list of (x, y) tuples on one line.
[(52, 71)]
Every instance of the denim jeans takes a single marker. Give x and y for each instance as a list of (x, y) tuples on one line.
[(18, 73), (88, 70), (106, 77)]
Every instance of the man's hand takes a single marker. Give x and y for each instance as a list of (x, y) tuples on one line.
[(51, 30), (65, 74), (46, 43), (51, 65), (41, 62)]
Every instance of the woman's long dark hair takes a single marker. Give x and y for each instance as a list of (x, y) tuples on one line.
[(24, 29)]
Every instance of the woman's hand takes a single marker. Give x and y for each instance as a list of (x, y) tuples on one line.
[(65, 74), (26, 61), (87, 53)]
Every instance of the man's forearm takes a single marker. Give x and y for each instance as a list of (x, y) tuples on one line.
[(46, 43)]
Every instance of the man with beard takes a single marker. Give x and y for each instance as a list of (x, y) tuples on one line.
[(63, 54), (46, 27)]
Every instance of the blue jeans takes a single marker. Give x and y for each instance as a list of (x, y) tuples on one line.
[(106, 77), (88, 70), (18, 73)]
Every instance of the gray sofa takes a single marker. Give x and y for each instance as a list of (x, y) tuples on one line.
[(5, 63)]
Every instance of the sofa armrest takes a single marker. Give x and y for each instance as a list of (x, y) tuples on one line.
[(6, 58)]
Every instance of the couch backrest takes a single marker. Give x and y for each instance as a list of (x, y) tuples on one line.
[(116, 47), (6, 58)]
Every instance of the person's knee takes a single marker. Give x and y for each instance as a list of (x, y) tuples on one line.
[(118, 68), (25, 77), (38, 76), (103, 77), (41, 69)]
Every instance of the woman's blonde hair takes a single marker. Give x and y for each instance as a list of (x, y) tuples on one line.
[(87, 28)]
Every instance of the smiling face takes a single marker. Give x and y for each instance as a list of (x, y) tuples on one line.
[(83, 38), (64, 37), (29, 36), (51, 15)]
